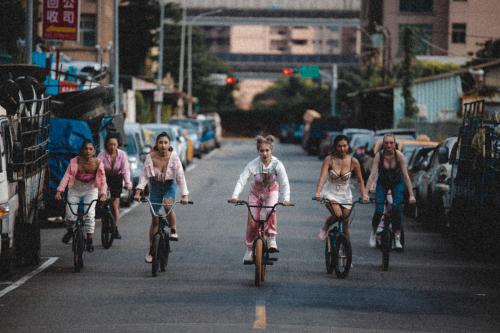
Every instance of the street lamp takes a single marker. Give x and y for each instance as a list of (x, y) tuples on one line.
[(190, 56), (158, 97)]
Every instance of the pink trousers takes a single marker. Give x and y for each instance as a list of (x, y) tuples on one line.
[(267, 197)]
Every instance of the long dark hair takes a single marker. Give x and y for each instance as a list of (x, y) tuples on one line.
[(163, 135), (85, 142), (112, 136), (338, 138)]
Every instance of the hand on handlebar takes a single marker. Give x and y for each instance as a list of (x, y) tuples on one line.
[(184, 199), (366, 198), (287, 203), (233, 200), (103, 197), (412, 199), (137, 195), (58, 196)]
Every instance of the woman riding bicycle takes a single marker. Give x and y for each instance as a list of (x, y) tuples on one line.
[(117, 170), (268, 179), (161, 167), (338, 168), (390, 173), (86, 179)]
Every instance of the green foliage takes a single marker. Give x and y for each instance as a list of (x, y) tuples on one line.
[(293, 97), (407, 74), (489, 52), (139, 23), (12, 19), (142, 109)]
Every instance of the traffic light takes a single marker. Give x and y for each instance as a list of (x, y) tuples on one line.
[(230, 80), (288, 71)]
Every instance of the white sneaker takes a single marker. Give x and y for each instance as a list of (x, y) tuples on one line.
[(397, 242), (248, 257), (174, 237), (373, 239), (272, 243)]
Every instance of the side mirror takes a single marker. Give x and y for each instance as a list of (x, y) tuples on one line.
[(443, 152), (146, 150)]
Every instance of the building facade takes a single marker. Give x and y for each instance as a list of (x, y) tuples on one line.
[(428, 19), (471, 24), (95, 33)]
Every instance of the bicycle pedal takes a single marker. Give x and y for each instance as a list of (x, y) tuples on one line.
[(272, 259), (273, 250), (173, 239), (248, 262), (269, 263)]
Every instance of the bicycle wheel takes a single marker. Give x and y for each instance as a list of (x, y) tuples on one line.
[(329, 254), (259, 250), (154, 253), (78, 247), (385, 246), (107, 228), (343, 257), (164, 249)]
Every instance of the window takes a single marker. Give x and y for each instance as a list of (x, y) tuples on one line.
[(299, 42), (422, 38), (333, 42), (334, 28), (88, 30), (416, 6), (458, 33)]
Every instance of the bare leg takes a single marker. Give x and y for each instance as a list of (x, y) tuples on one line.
[(115, 205), (172, 219), (153, 229), (345, 217)]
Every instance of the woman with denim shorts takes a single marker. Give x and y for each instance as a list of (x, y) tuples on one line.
[(162, 170)]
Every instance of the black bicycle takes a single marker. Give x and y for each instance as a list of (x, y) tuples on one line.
[(78, 236), (260, 251), (338, 249), (160, 246), (108, 224), (385, 234)]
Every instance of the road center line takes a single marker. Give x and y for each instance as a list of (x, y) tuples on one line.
[(28, 276), (260, 315)]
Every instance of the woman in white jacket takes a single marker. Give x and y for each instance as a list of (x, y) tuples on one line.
[(268, 179)]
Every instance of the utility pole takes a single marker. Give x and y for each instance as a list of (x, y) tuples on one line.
[(29, 32), (159, 88), (116, 56), (181, 60), (333, 92)]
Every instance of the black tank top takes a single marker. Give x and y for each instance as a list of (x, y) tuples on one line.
[(389, 178)]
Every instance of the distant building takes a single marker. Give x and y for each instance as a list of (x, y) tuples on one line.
[(95, 34), (471, 23)]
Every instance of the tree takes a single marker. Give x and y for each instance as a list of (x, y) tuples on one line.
[(12, 27), (139, 22), (407, 75)]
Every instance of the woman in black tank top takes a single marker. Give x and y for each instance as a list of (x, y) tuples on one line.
[(389, 172)]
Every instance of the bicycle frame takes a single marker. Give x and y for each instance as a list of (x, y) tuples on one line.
[(79, 216), (163, 217)]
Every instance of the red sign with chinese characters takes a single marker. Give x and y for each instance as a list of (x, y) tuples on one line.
[(60, 19)]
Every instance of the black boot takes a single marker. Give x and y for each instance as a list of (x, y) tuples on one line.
[(67, 236), (116, 234), (89, 246)]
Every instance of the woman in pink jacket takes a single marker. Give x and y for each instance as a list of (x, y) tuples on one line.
[(86, 180), (117, 170), (162, 169)]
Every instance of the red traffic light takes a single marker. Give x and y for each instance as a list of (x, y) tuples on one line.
[(231, 80), (287, 71)]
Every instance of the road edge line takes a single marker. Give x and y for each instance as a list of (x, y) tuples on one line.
[(28, 276)]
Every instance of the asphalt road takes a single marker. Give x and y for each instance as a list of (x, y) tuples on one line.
[(428, 288)]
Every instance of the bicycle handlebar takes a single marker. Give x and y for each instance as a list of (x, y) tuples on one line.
[(146, 199), (77, 204), (273, 208)]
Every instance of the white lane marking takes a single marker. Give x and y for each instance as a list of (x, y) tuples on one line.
[(260, 315), (129, 209), (28, 276), (209, 155), (191, 167)]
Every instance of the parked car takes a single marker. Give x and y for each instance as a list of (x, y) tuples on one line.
[(434, 185), (182, 143), (326, 144), (291, 132), (406, 146), (194, 130), (401, 132), (208, 134), (216, 123), (350, 132), (417, 165), (365, 140), (318, 128), (135, 161)]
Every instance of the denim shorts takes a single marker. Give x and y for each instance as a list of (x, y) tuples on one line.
[(159, 191)]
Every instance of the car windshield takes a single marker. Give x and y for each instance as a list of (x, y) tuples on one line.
[(151, 132), (362, 140), (131, 145)]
